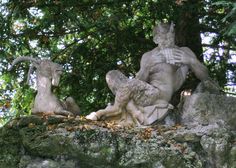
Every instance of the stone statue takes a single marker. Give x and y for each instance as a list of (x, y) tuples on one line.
[(48, 74), (145, 99)]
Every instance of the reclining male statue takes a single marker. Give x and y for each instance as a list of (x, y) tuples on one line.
[(145, 99), (47, 75)]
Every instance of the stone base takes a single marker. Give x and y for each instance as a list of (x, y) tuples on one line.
[(36, 142), (206, 108)]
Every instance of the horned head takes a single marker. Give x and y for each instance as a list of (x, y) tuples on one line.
[(44, 68), (50, 70), (20, 59), (164, 28), (164, 35)]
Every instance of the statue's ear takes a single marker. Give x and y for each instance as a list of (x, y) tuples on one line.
[(172, 27), (35, 64), (30, 71)]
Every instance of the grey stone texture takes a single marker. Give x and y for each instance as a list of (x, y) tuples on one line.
[(39, 142)]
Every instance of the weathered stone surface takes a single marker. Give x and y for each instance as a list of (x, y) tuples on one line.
[(32, 162), (36, 142), (206, 108)]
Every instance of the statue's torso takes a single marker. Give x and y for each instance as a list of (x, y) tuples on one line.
[(45, 100), (161, 74)]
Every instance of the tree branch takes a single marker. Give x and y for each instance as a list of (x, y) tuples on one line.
[(217, 46)]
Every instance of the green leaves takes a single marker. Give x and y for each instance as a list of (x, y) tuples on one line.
[(92, 37), (230, 17), (14, 102)]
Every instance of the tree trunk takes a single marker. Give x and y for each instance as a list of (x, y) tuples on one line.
[(188, 34), (188, 27)]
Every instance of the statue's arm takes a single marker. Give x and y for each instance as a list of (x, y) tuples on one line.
[(180, 76), (143, 72), (185, 56), (196, 66)]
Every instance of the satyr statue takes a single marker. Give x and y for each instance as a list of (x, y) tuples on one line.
[(145, 98), (48, 74)]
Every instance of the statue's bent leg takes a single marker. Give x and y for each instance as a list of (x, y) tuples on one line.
[(128, 93), (135, 112), (60, 111), (109, 111), (132, 91), (121, 100), (123, 96)]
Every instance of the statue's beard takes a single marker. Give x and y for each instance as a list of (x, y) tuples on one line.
[(166, 44), (167, 41)]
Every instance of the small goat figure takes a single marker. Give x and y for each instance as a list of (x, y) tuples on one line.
[(48, 74)]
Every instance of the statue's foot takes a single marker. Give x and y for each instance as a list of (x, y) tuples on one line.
[(64, 113), (170, 106), (142, 118), (43, 113), (92, 116)]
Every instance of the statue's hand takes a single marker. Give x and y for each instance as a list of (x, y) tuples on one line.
[(177, 56), (168, 55), (182, 57)]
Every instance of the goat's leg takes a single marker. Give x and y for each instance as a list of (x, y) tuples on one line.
[(135, 112), (109, 111), (71, 106), (121, 100), (61, 111)]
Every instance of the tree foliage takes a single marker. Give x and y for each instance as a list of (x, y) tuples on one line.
[(91, 37)]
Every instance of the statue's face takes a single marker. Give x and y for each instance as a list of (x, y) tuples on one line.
[(56, 78), (56, 73), (164, 35), (164, 40), (159, 38)]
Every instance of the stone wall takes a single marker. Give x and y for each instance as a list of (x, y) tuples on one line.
[(206, 108), (206, 138), (55, 142)]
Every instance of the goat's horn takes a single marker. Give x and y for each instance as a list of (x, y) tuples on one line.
[(20, 59)]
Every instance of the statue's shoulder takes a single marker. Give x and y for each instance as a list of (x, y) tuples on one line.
[(150, 53), (188, 51)]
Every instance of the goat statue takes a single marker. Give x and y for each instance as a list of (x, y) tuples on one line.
[(48, 74)]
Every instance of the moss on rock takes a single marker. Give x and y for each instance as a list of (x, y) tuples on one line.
[(73, 143)]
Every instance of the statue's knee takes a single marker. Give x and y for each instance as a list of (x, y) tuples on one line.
[(131, 83)]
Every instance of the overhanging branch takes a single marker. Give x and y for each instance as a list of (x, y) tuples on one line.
[(218, 46)]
